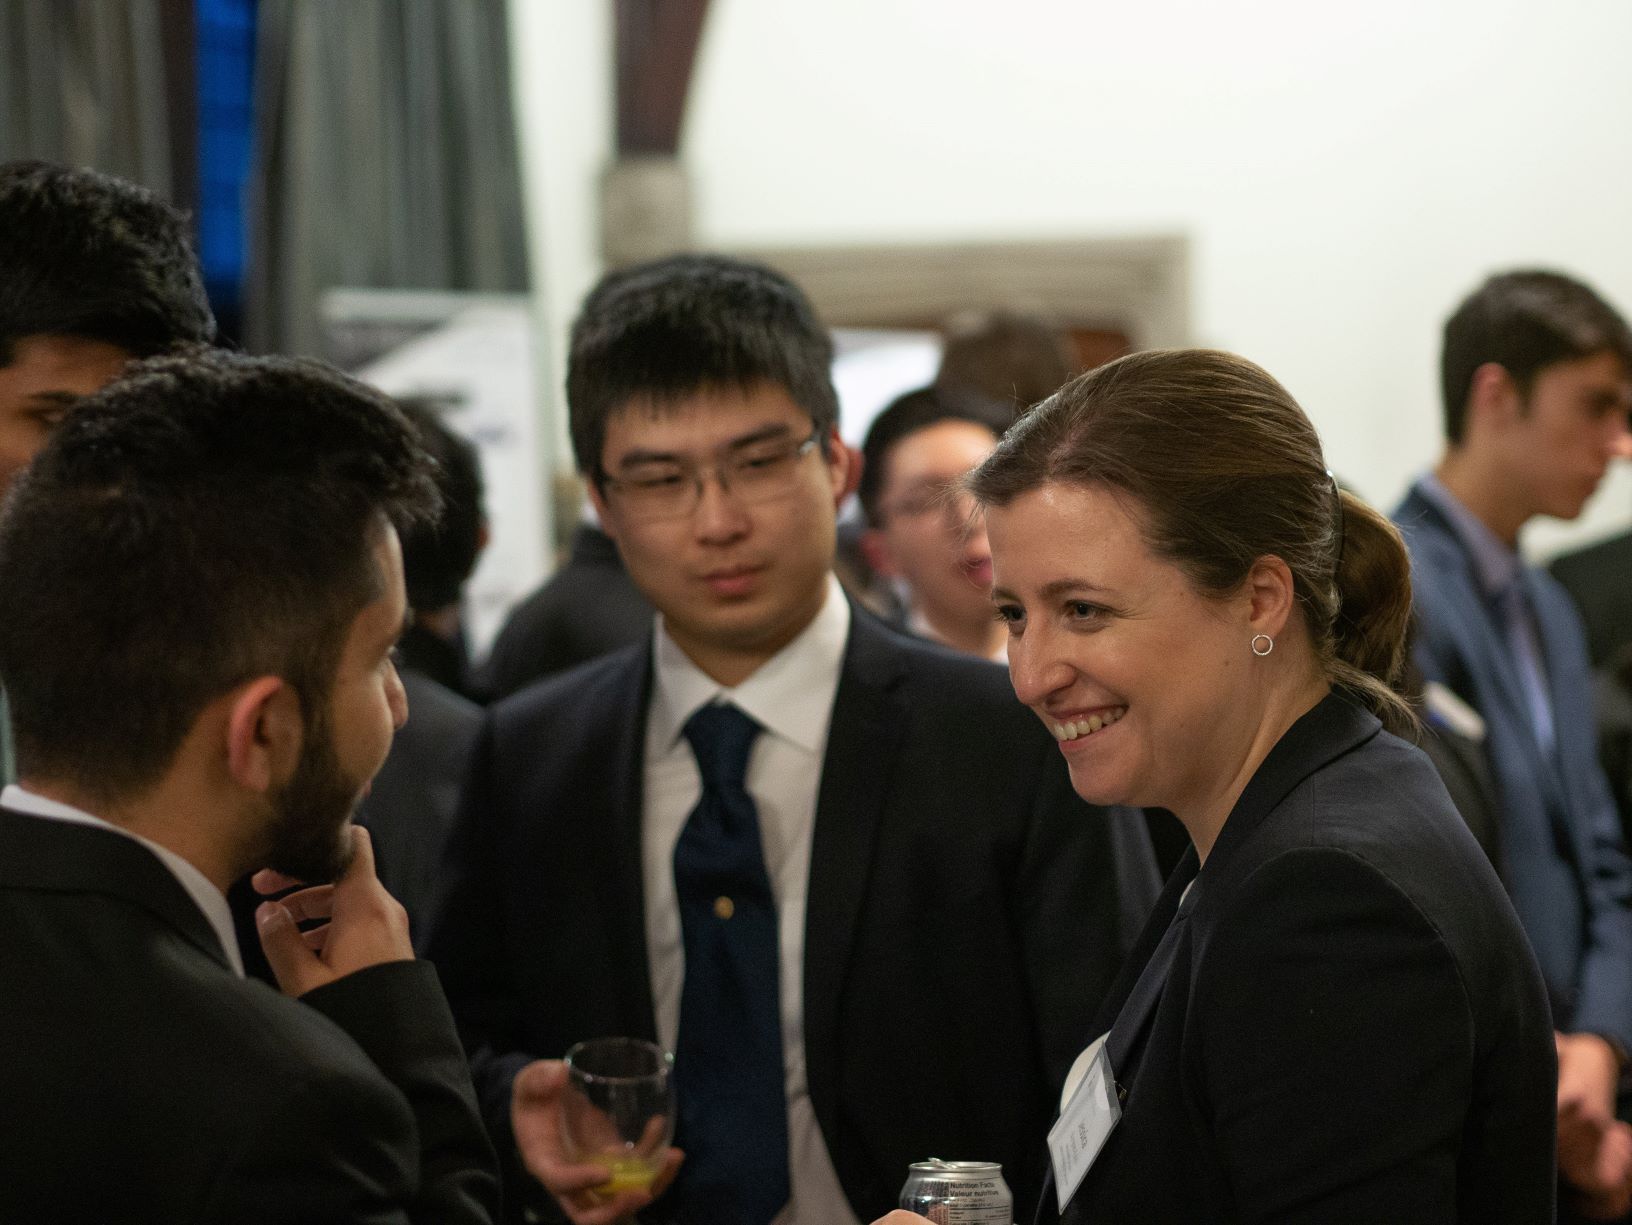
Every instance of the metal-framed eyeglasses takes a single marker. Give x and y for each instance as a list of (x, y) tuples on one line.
[(753, 471)]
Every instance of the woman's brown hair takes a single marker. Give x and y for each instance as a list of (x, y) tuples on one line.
[(1226, 469)]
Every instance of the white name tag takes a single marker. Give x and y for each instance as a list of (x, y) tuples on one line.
[(1085, 1123)]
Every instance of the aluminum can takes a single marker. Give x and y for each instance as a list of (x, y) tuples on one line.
[(958, 1192)]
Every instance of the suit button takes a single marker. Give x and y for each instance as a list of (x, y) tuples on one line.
[(724, 907)]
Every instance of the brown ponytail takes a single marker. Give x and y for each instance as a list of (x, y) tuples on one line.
[(1368, 638), (1228, 469)]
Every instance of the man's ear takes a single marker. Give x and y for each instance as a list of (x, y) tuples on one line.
[(876, 549), (843, 466), (597, 499), (1270, 593), (1493, 396), (264, 733)]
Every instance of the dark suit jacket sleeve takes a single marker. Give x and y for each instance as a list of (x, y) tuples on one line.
[(1614, 711), (338, 1147), (1604, 1003), (1077, 888), (468, 944), (1332, 1048)]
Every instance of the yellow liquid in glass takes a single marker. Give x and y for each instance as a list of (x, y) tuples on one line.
[(628, 1174)]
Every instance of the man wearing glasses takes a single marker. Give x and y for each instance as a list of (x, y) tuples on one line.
[(921, 533), (838, 872)]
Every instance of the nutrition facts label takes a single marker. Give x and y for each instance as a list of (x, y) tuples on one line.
[(978, 1203)]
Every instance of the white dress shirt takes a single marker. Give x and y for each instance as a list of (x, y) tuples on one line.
[(791, 697), (206, 896)]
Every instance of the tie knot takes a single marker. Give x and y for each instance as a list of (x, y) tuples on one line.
[(722, 737)]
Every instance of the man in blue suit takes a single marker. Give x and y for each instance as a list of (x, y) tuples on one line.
[(1537, 381)]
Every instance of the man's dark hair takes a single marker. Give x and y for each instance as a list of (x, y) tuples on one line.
[(1524, 321), (438, 557), (1015, 357), (662, 331), (205, 520), (89, 255), (906, 415)]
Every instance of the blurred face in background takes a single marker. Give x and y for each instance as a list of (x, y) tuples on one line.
[(1559, 441), (39, 384), (930, 536)]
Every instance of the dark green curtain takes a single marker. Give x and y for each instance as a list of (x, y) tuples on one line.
[(386, 157), (87, 82)]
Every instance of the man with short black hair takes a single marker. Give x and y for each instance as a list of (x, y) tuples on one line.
[(922, 532), (93, 272), (438, 558), (1537, 381), (200, 589), (415, 796), (840, 872)]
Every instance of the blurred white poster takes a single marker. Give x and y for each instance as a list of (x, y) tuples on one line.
[(471, 355)]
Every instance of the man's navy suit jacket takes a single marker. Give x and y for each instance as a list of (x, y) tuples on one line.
[(966, 911), (1563, 858)]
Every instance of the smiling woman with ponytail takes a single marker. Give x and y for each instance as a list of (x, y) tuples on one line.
[(1332, 1015)]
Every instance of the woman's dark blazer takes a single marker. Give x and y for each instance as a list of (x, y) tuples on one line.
[(1341, 1020)]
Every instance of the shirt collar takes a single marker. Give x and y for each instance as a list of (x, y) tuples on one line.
[(790, 695), (1496, 564), (206, 896)]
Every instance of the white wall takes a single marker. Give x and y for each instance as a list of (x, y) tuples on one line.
[(1345, 173), (561, 64)]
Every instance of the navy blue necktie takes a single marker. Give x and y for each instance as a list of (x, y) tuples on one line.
[(733, 1111)]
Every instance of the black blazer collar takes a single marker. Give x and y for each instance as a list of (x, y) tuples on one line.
[(626, 700), (63, 857), (591, 544), (857, 772), (1335, 726), (1437, 547)]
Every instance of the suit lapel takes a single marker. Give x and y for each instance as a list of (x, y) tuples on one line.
[(623, 862), (1491, 654), (64, 857), (1334, 727), (866, 728), (1572, 835), (1558, 667), (1337, 725)]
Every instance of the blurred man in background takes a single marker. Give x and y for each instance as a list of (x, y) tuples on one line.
[(1537, 381), (93, 272), (1015, 358), (587, 608), (411, 808), (438, 558), (922, 532)]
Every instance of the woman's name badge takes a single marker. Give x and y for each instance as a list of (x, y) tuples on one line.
[(1086, 1120)]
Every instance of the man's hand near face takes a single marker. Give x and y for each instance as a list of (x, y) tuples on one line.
[(362, 926)]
